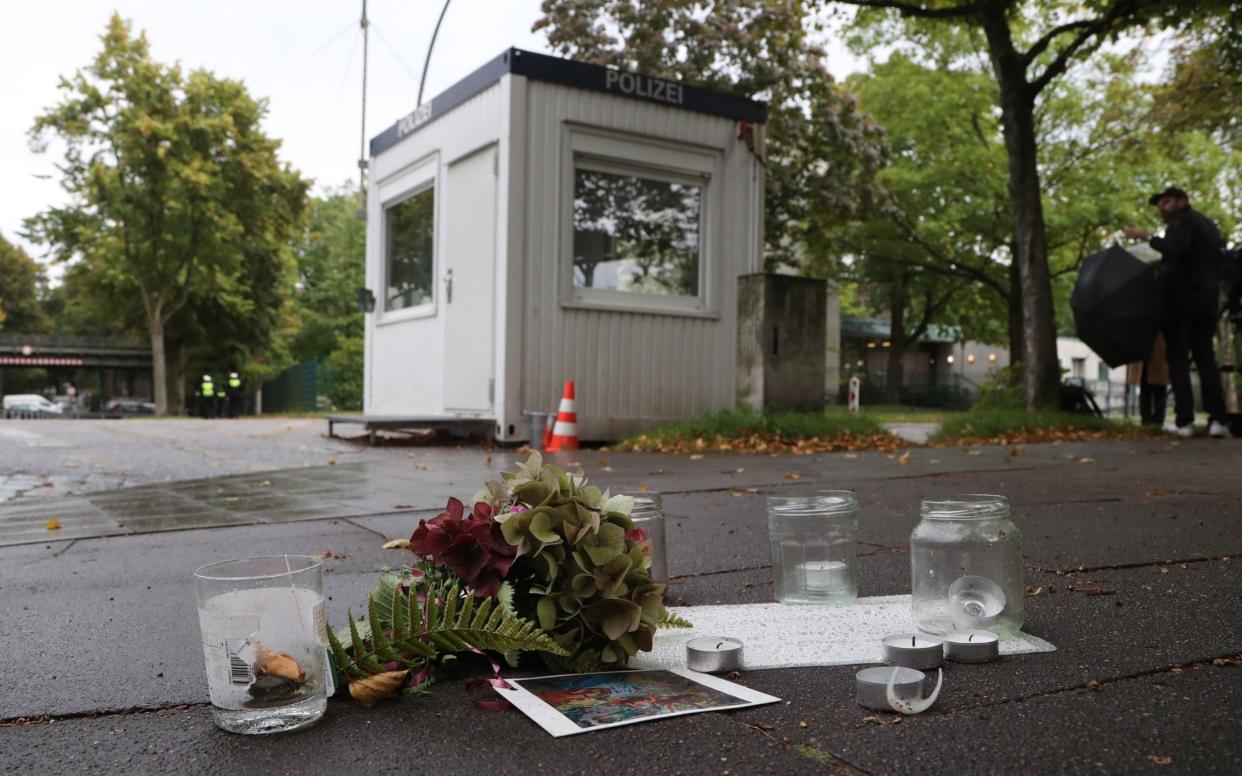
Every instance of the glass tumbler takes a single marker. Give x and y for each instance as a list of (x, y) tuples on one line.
[(648, 514), (966, 566), (814, 555), (264, 636)]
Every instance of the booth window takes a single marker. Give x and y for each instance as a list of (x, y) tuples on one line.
[(636, 232), (409, 227)]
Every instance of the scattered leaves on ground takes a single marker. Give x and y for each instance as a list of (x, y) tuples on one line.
[(758, 442)]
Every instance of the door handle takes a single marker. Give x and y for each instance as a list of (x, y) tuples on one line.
[(448, 286)]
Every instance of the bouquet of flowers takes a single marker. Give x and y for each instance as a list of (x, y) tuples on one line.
[(541, 561)]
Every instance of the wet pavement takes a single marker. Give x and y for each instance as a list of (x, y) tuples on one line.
[(1131, 554)]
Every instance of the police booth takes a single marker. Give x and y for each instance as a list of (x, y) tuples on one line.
[(545, 220)]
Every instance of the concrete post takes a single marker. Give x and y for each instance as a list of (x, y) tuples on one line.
[(781, 353)]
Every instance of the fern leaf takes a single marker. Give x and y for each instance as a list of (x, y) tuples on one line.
[(481, 615), (381, 647), (343, 662), (673, 621), (365, 660)]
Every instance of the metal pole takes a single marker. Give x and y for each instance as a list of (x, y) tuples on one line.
[(362, 141), (427, 62)]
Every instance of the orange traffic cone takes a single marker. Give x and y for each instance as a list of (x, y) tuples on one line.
[(565, 432)]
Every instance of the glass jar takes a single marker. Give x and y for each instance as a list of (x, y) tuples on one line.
[(648, 514), (814, 556), (966, 566)]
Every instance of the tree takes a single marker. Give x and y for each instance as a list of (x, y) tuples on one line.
[(821, 154), (331, 268), (177, 197), (1029, 46), (20, 309)]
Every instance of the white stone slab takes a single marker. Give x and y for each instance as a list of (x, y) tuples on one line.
[(785, 636)]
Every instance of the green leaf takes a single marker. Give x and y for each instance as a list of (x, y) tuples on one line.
[(546, 609)]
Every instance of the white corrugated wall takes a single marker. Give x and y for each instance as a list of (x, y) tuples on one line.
[(632, 369)]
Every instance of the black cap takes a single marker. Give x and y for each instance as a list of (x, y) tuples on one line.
[(1171, 191)]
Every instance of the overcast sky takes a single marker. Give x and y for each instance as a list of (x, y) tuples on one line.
[(304, 56)]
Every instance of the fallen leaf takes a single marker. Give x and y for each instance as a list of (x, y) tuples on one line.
[(601, 461), (851, 455), (739, 471), (1160, 759), (1094, 685), (1017, 451), (1085, 459), (802, 723), (411, 455), (403, 506), (420, 467), (934, 460), (974, 452), (793, 476), (265, 484), (487, 462), (696, 457), (607, 468), (332, 462), (645, 489), (397, 544), (53, 524), (904, 459), (735, 493), (752, 490), (1227, 661)]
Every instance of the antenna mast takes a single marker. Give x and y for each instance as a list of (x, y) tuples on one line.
[(362, 141)]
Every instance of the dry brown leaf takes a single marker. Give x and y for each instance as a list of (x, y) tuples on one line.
[(403, 506), (802, 723), (735, 493), (793, 476), (52, 524), (1094, 685), (851, 455), (974, 452), (1160, 759), (397, 544), (601, 461), (272, 663), (1086, 459), (487, 462), (696, 456), (644, 489), (332, 462), (420, 467), (904, 458), (1017, 451), (371, 689)]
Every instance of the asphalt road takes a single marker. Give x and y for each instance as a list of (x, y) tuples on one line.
[(1132, 547)]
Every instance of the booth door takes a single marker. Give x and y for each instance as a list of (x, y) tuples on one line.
[(469, 282)]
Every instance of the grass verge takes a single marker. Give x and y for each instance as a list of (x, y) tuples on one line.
[(1011, 426), (775, 432)]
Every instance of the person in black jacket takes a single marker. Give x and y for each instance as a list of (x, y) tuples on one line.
[(1190, 256)]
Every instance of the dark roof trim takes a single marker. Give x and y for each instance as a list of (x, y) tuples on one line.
[(579, 75)]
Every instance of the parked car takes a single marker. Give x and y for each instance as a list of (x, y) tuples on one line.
[(119, 407), (30, 402)]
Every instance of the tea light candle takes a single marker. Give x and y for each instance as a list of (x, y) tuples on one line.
[(713, 654), (825, 574), (914, 650), (972, 646), (872, 686)]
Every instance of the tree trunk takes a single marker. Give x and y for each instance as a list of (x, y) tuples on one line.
[(1017, 343), (1018, 120), (159, 384), (174, 362), (894, 371)]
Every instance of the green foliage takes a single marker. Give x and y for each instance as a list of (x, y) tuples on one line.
[(992, 423), (180, 213), (822, 152), (331, 268), (1003, 391), (416, 620), (20, 310), (732, 424)]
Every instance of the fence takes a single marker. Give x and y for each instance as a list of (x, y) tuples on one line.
[(294, 390)]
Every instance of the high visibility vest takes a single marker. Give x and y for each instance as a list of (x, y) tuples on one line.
[(234, 382), (209, 388)]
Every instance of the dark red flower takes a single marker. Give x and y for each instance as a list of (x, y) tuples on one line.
[(473, 547)]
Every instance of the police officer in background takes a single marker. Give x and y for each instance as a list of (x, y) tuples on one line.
[(207, 398), (233, 394), (1190, 258)]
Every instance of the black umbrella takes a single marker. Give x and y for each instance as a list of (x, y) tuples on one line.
[(1117, 306)]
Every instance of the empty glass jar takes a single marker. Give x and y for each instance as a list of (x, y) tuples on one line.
[(648, 514), (814, 556), (966, 566)]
